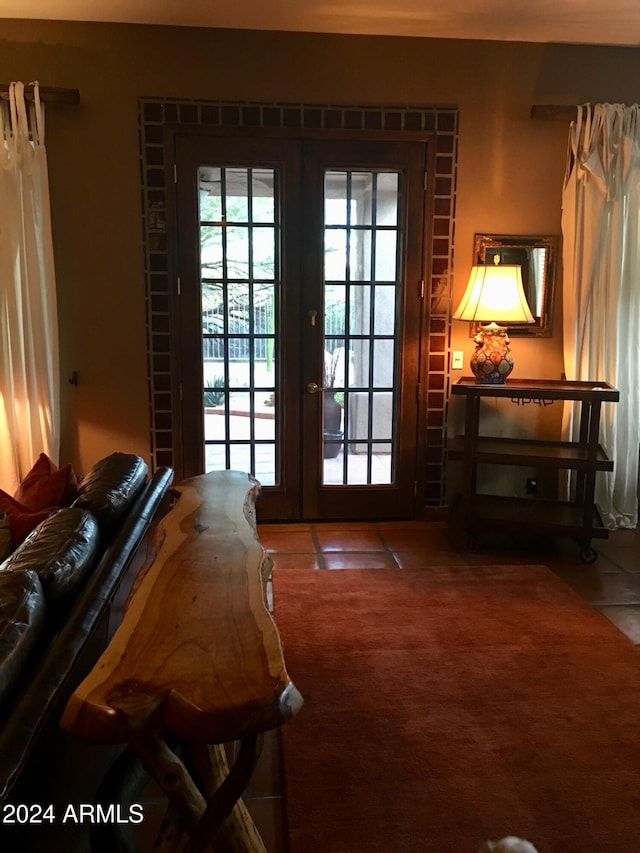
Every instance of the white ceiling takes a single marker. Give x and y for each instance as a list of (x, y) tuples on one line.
[(582, 21)]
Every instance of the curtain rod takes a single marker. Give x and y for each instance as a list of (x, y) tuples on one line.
[(553, 111), (47, 93)]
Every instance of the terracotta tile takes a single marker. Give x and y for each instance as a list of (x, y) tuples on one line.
[(570, 561), (486, 557), (426, 558), (626, 618), (147, 831), (154, 804), (621, 539), (267, 779), (349, 540), (630, 565), (366, 560), (281, 528), (282, 562), (268, 814), (411, 539), (622, 548), (555, 552), (345, 525), (624, 564), (290, 541), (602, 588)]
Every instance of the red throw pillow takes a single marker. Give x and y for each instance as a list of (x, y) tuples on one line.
[(47, 486), (22, 520)]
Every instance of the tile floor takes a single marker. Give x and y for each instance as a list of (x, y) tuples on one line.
[(611, 585)]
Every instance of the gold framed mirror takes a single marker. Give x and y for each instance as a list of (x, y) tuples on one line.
[(537, 257)]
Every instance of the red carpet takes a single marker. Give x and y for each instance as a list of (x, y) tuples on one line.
[(448, 706)]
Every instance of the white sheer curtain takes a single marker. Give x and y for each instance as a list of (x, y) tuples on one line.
[(601, 275), (29, 374)]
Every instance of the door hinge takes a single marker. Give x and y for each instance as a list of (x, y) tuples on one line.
[(418, 392), (179, 286), (422, 288), (426, 181), (175, 173)]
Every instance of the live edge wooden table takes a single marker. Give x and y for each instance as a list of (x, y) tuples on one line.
[(195, 665)]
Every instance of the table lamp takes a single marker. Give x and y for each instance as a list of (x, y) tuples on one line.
[(494, 295)]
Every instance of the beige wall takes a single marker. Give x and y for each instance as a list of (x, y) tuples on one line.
[(510, 167)]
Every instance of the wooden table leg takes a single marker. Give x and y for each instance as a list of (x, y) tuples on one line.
[(209, 811), (226, 823)]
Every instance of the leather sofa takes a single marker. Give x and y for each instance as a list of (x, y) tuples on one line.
[(61, 596)]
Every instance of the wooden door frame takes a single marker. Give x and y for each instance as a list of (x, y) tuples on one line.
[(161, 117)]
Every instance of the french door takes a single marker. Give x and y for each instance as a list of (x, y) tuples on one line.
[(298, 317)]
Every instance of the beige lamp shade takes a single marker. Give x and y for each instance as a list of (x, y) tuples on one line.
[(494, 294)]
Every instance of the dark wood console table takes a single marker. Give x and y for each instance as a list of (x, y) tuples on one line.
[(197, 662), (577, 517)]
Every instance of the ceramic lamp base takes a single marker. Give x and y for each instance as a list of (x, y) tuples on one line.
[(492, 362)]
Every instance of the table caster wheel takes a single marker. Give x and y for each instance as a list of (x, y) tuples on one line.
[(588, 554), (472, 544)]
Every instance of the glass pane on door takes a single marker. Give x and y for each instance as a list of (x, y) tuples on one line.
[(362, 276), (239, 263)]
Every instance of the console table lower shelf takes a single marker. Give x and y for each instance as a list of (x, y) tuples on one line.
[(545, 517), (195, 665), (583, 459)]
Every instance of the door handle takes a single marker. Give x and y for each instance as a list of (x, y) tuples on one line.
[(313, 388)]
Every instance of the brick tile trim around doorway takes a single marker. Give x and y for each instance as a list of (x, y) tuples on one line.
[(441, 121)]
